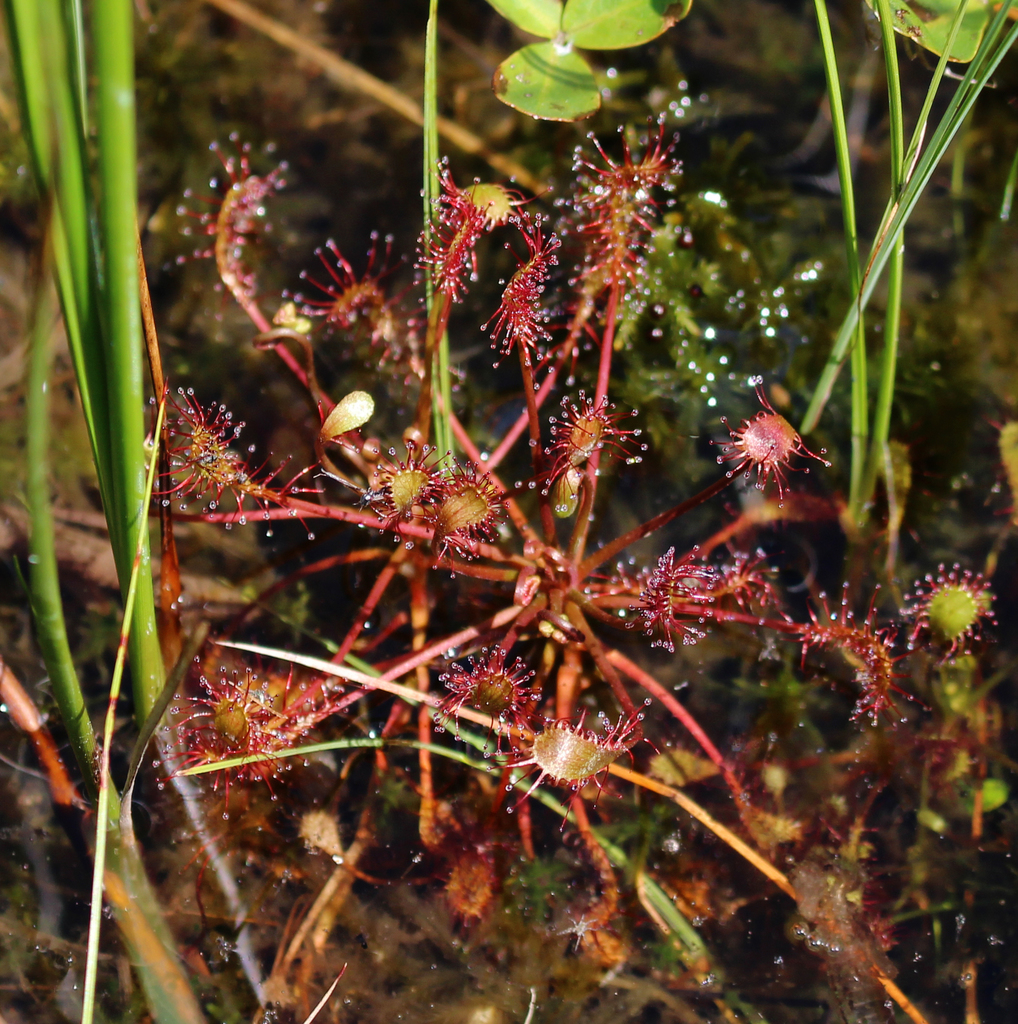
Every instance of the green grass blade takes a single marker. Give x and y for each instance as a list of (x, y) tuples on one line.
[(1008, 199), (890, 46), (991, 53), (75, 20), (188, 653), (44, 584), (113, 44), (118, 870), (864, 479), (102, 813), (432, 184), (442, 379), (888, 370), (919, 132), (860, 385), (42, 68)]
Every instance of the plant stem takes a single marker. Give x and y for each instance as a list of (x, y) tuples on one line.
[(888, 366), (438, 318), (48, 112), (113, 42), (653, 687), (1009, 185), (102, 813), (919, 132), (523, 420), (958, 182), (536, 451), (438, 360), (618, 545), (991, 52), (890, 46), (597, 652), (843, 153), (44, 584), (579, 541), (892, 317)]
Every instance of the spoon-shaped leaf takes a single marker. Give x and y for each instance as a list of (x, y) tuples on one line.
[(928, 24), (547, 81), (616, 24), (538, 17)]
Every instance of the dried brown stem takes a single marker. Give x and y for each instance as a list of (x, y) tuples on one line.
[(25, 715), (170, 588), (706, 819)]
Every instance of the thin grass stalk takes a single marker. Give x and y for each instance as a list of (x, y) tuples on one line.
[(892, 316), (441, 376), (113, 41), (958, 161), (120, 873), (888, 368), (890, 46), (43, 71), (102, 813), (843, 154), (991, 52), (935, 150), (919, 132), (44, 583), (518, 780), (75, 21), (1009, 185)]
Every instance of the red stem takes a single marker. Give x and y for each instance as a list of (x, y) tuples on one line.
[(524, 418), (607, 345), (703, 611), (323, 564), (653, 687), (496, 621), (614, 547), (579, 541), (264, 327), (370, 603), (597, 651), (536, 451), (514, 510)]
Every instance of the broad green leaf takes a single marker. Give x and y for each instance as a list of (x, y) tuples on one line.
[(615, 24), (547, 81), (538, 17), (928, 24)]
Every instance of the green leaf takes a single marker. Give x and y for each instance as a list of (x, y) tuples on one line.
[(538, 17), (547, 81), (616, 24), (995, 794), (928, 24)]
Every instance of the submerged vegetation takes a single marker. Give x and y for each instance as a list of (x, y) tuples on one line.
[(500, 675)]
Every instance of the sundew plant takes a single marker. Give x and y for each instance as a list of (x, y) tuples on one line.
[(586, 670)]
